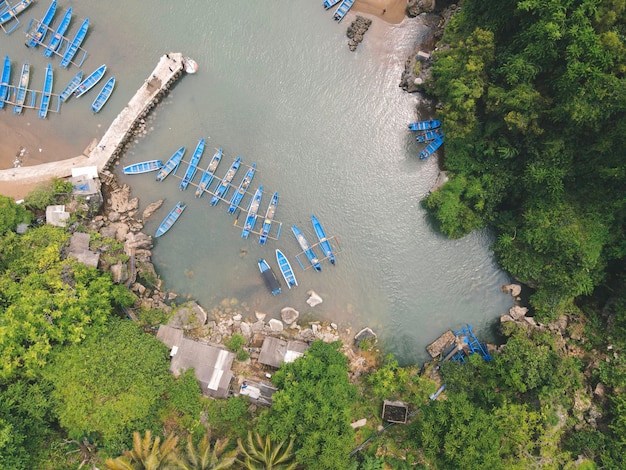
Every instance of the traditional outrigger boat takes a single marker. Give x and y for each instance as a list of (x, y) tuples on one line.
[(143, 167), (70, 88), (11, 13), (241, 190), (253, 210), (89, 82), (330, 3), (308, 251), (269, 277), (209, 173), (222, 186), (193, 166), (4, 81), (323, 241), (424, 125), (40, 33), (171, 218), (342, 10), (172, 163), (269, 217), (285, 269), (432, 147), (57, 37), (22, 89), (103, 96), (73, 46), (428, 135), (47, 93)]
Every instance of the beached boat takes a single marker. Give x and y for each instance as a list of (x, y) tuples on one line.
[(70, 88), (11, 13), (193, 166), (171, 218), (143, 167), (103, 96), (342, 10), (89, 82), (269, 277), (47, 93), (330, 3), (40, 33), (432, 147), (172, 163), (253, 211), (4, 80), (222, 186), (424, 125), (57, 37), (209, 173), (427, 136), (306, 248), (285, 269), (22, 88), (269, 217), (241, 190), (324, 243), (73, 46)]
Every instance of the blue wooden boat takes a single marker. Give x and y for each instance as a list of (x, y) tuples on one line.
[(342, 10), (241, 190), (193, 166), (57, 37), (47, 93), (253, 211), (324, 243), (171, 218), (224, 184), (22, 88), (269, 217), (432, 147), (70, 88), (269, 277), (172, 163), (4, 81), (424, 125), (11, 14), (285, 269), (89, 82), (306, 248), (73, 46), (143, 167), (209, 173), (330, 3), (427, 136), (103, 96), (41, 31)]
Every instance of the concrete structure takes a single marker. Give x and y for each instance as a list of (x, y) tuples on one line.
[(258, 393), (275, 351), (56, 215), (79, 249)]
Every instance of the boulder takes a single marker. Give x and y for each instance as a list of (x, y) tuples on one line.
[(516, 312), (364, 335), (313, 299), (138, 241), (260, 316), (289, 315), (119, 273), (513, 289), (276, 325), (120, 200), (188, 317), (151, 209)]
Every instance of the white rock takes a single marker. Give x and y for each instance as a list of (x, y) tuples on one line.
[(289, 315), (276, 325), (313, 299), (260, 315), (358, 424)]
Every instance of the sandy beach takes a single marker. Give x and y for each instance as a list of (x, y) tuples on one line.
[(391, 11)]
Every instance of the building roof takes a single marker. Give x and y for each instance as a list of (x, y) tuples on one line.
[(56, 215), (275, 351), (258, 392), (79, 249)]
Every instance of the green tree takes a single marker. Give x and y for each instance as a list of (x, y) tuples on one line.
[(11, 214), (205, 456), (147, 454), (262, 454)]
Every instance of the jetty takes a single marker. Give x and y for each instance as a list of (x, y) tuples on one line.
[(113, 143)]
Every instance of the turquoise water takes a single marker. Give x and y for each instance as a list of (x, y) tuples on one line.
[(278, 86)]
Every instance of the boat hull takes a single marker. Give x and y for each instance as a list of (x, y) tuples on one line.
[(252, 213), (324, 243), (241, 190), (286, 270), (269, 278), (171, 218), (209, 174), (91, 81), (143, 167), (224, 184), (425, 125), (171, 164), (103, 96), (306, 248), (193, 166), (269, 217)]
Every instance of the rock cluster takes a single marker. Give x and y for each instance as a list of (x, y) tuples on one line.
[(356, 31)]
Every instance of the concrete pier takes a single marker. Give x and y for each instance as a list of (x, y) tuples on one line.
[(111, 146)]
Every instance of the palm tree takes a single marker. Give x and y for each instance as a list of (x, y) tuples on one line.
[(260, 455), (146, 454), (202, 458)]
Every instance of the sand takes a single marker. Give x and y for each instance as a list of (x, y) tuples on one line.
[(391, 11)]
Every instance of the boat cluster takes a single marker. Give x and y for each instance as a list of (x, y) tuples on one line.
[(430, 133), (341, 10)]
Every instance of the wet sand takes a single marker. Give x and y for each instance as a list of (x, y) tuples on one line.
[(391, 11)]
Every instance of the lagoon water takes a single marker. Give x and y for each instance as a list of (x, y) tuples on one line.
[(327, 128)]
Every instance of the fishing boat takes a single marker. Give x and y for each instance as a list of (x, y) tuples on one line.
[(171, 218), (11, 14), (324, 243), (432, 147), (222, 186), (47, 93), (172, 163), (73, 46), (269, 277), (193, 166), (89, 82), (143, 167), (71, 86), (253, 211), (57, 37), (209, 173), (4, 80), (269, 217), (241, 190), (424, 125), (427, 136), (308, 251), (104, 95), (285, 269), (42, 29), (22, 88), (342, 10), (330, 3)]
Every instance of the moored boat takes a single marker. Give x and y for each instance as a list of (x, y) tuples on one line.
[(40, 33), (209, 173), (47, 93), (241, 190), (342, 10), (57, 37), (103, 95), (89, 82), (269, 217), (330, 3), (143, 167), (432, 147), (4, 80), (224, 184), (285, 269), (22, 88), (324, 243), (424, 125), (253, 211), (73, 46), (171, 218), (71, 86), (11, 13), (193, 166), (269, 277), (428, 135), (172, 163), (306, 248)]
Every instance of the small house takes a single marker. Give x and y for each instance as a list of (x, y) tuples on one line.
[(275, 351)]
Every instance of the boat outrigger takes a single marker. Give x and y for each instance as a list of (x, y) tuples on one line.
[(4, 81), (57, 37), (253, 210), (171, 218), (22, 89), (193, 166), (171, 164), (224, 184), (209, 174), (73, 46), (269, 277), (285, 269), (269, 217), (241, 190), (47, 93), (103, 95), (143, 167), (308, 251), (40, 33), (424, 125), (91, 80), (323, 241), (70, 88), (432, 147)]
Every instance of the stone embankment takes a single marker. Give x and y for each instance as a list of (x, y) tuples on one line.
[(356, 31)]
